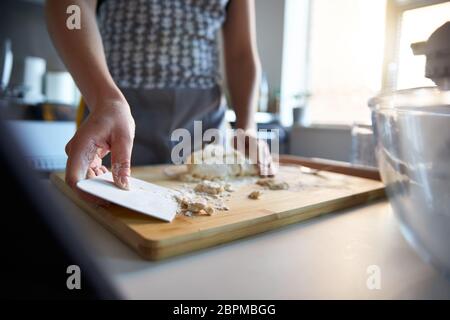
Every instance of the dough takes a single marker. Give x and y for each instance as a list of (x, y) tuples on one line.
[(194, 205), (209, 168), (203, 199), (255, 195), (273, 184), (209, 187), (214, 162)]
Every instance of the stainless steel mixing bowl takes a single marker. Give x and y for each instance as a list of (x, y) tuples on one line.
[(412, 132)]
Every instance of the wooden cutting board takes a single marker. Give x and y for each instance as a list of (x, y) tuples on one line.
[(310, 195)]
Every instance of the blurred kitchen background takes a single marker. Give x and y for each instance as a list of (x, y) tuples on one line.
[(322, 61)]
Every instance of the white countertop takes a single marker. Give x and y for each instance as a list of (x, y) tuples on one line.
[(323, 258)]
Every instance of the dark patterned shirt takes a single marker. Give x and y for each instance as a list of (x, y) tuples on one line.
[(162, 43)]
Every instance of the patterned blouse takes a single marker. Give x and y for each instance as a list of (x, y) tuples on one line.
[(154, 44)]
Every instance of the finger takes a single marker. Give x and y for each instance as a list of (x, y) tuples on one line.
[(121, 161), (253, 147), (264, 170), (90, 173), (273, 162), (98, 171), (96, 163), (270, 170), (104, 169), (81, 154), (264, 160)]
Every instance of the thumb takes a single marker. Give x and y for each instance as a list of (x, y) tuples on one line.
[(121, 161)]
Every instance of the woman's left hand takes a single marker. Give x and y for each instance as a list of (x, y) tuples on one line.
[(245, 142)]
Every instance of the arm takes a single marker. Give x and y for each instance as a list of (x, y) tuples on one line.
[(109, 126), (243, 70), (242, 63), (81, 48)]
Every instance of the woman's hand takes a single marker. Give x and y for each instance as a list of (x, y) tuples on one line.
[(257, 150), (108, 128)]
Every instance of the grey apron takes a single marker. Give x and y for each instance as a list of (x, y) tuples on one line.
[(158, 112)]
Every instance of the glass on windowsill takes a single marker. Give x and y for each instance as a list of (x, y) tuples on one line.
[(363, 146)]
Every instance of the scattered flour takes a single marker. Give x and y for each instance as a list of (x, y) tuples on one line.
[(204, 198)]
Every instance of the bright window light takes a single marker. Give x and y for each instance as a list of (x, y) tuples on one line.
[(417, 26), (346, 59)]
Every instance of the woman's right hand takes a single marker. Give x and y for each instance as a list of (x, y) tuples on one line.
[(108, 128)]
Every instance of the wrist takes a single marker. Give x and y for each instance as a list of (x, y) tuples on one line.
[(106, 97), (248, 128)]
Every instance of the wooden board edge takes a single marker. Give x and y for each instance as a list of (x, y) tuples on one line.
[(120, 230), (158, 250), (332, 166)]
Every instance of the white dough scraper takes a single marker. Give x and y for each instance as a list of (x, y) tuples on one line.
[(144, 197)]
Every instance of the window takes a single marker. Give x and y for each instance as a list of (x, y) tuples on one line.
[(346, 58), (354, 50), (416, 26)]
